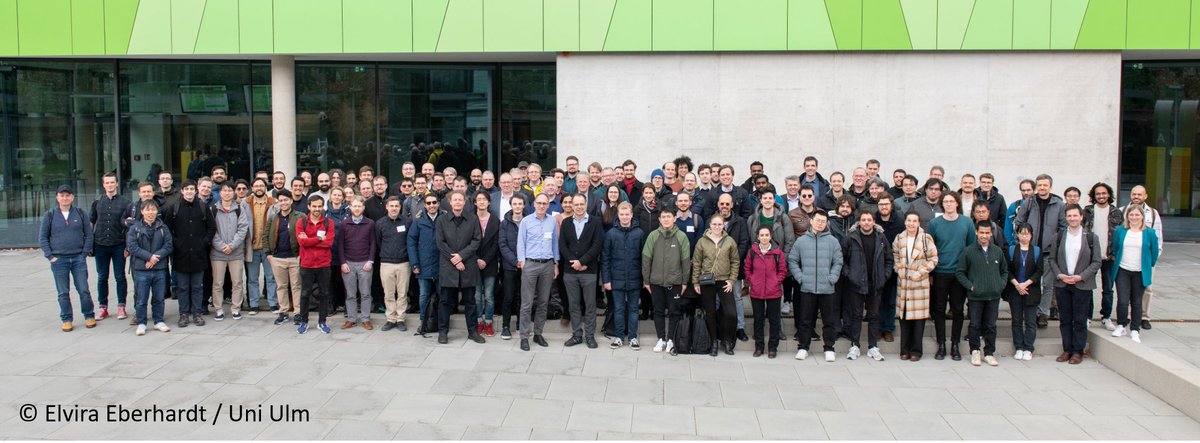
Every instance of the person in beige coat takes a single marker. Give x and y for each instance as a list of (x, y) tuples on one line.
[(915, 256)]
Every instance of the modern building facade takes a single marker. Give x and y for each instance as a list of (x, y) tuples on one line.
[(1086, 90)]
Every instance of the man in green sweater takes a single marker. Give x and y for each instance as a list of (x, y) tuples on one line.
[(982, 270)]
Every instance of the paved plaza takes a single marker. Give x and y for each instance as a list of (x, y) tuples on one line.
[(392, 385)]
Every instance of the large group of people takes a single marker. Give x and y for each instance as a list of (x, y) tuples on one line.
[(572, 242)]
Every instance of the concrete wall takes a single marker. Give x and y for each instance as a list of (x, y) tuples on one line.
[(1012, 114)]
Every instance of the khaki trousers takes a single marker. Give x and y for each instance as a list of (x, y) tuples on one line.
[(395, 289), (236, 268), (287, 283)]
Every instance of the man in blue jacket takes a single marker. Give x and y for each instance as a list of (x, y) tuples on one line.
[(66, 240), (423, 256)]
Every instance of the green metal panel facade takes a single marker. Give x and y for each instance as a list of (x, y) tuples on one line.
[(41, 28)]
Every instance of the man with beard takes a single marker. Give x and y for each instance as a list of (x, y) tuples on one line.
[(741, 205), (323, 185), (737, 228), (1102, 218), (299, 196), (218, 175), (487, 182), (930, 207), (571, 175), (260, 204), (376, 206)]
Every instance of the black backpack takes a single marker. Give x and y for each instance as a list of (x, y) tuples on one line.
[(691, 334)]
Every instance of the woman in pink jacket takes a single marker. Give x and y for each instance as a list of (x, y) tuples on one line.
[(766, 269)]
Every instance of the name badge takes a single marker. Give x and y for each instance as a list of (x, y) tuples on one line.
[(401, 228), (320, 233), (548, 235), (691, 229)]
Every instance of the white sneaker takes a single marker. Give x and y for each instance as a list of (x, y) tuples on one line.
[(633, 344), (670, 345), (662, 344), (1087, 323), (976, 358), (853, 353), (786, 308), (875, 354), (1019, 355), (1028, 355), (1108, 324), (162, 327), (1136, 336), (141, 330), (1119, 331), (616, 343), (801, 354), (830, 356), (991, 360)]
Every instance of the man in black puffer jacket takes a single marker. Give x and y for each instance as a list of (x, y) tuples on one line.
[(867, 256)]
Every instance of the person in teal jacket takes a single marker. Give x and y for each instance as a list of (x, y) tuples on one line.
[(1135, 252)]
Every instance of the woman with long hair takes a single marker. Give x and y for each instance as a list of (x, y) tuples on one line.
[(914, 256), (1135, 252)]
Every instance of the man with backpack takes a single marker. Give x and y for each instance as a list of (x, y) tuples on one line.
[(1074, 261), (666, 264), (229, 251), (66, 240)]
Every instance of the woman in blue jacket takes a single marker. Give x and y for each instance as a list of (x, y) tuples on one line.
[(1135, 252), (149, 244)]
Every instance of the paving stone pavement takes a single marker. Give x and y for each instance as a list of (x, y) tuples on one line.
[(361, 384)]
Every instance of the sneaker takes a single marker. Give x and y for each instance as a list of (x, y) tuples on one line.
[(616, 343), (183, 321), (853, 353), (296, 320), (220, 315), (875, 354), (141, 330), (276, 310), (1135, 336), (671, 346), (198, 320), (67, 326), (303, 328), (660, 346), (479, 328), (387, 326), (976, 358), (323, 327), (801, 354), (162, 327), (633, 344), (1019, 355), (237, 315), (280, 319), (506, 334), (489, 330), (102, 313), (1108, 324), (1028, 355), (991, 360), (253, 311), (400, 326), (786, 308), (830, 356), (121, 315), (1119, 331)]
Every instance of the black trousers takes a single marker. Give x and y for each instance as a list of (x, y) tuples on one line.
[(727, 318), (912, 332), (946, 290), (983, 323), (1073, 306), (450, 299), (857, 303), (337, 288), (511, 288), (829, 305), (663, 298), (1130, 291), (791, 290), (314, 282), (767, 310)]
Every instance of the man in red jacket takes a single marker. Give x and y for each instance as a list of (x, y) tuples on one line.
[(315, 236)]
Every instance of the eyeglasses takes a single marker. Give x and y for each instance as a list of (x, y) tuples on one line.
[(431, 203), (805, 195)]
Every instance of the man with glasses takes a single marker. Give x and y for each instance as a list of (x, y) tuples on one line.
[(414, 205), (166, 195), (423, 256), (537, 258), (260, 204), (930, 207)]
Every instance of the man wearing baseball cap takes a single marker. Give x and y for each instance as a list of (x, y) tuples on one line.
[(66, 240)]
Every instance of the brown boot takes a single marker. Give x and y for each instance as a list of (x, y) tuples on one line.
[(1063, 357)]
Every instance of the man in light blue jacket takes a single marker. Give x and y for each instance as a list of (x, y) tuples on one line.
[(816, 263)]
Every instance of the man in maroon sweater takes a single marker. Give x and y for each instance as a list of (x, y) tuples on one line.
[(315, 236), (357, 254)]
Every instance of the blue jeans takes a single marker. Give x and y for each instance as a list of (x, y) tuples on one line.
[(625, 311), (116, 256), (428, 287), (485, 298), (145, 284), (189, 289), (64, 270), (259, 259)]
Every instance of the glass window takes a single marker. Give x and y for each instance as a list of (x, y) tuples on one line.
[(335, 117), (185, 118), (56, 128), (435, 114), (1158, 134), (528, 124)]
